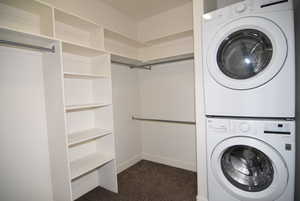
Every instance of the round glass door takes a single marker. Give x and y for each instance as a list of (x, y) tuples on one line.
[(244, 54), (247, 168)]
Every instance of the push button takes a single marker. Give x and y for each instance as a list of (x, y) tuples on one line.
[(288, 147)]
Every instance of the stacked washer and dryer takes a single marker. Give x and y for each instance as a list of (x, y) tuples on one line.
[(249, 80)]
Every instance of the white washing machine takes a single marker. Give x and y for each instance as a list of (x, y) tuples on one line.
[(250, 160), (249, 60)]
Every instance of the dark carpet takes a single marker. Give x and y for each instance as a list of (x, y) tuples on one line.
[(148, 181)]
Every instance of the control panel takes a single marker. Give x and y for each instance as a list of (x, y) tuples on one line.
[(277, 128)]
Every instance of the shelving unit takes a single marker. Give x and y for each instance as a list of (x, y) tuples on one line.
[(88, 107)]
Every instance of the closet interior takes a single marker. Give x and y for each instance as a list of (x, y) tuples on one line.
[(87, 93)]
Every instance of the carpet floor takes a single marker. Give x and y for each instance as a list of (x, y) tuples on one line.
[(148, 181)]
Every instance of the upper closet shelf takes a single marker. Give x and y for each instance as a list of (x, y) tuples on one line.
[(176, 44), (84, 165), (71, 108), (25, 38), (81, 36), (31, 17)]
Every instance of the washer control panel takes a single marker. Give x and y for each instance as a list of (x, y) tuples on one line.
[(249, 127), (218, 126)]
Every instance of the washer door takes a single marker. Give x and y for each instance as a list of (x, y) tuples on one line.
[(249, 169), (247, 53)]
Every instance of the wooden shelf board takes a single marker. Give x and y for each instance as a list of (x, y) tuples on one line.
[(123, 39), (172, 37), (82, 50), (87, 135), (25, 37), (117, 58), (84, 165), (83, 76), (70, 108)]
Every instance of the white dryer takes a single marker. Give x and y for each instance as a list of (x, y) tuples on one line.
[(249, 60), (250, 160)]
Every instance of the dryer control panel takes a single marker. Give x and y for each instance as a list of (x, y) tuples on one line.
[(277, 128)]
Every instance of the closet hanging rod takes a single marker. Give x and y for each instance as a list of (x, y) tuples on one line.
[(148, 66), (162, 62), (165, 121), (130, 65), (34, 47)]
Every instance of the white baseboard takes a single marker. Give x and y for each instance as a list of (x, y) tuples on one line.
[(126, 164), (170, 162), (200, 198)]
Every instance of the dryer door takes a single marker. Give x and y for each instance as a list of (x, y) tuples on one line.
[(249, 169), (247, 53)]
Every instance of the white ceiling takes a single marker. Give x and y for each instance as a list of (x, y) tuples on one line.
[(141, 9)]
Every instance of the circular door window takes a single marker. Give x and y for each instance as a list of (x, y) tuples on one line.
[(247, 168), (244, 54)]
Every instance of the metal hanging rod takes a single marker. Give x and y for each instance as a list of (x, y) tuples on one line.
[(148, 66), (130, 66), (165, 121), (34, 47)]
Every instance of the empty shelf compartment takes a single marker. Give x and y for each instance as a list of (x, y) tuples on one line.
[(84, 165)]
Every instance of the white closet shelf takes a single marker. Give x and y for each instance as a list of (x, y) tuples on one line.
[(83, 76), (86, 135), (80, 49), (84, 165), (70, 108)]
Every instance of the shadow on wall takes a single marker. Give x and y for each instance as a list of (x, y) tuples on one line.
[(297, 29)]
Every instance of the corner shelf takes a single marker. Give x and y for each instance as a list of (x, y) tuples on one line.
[(84, 165), (71, 108), (83, 76), (86, 135)]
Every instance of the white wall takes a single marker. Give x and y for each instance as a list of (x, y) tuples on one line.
[(24, 156), (173, 21), (297, 26), (126, 103), (167, 92)]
